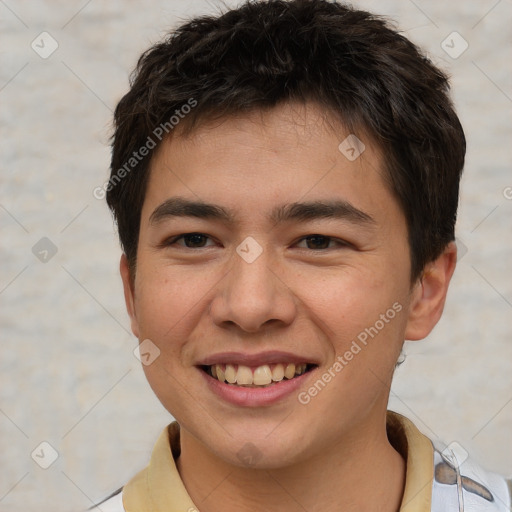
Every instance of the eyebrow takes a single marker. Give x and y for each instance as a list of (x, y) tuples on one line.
[(305, 211)]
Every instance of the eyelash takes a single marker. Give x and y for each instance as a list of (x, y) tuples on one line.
[(173, 240)]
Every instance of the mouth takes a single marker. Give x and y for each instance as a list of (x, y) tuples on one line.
[(262, 376)]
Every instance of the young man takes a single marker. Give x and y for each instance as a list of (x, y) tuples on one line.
[(285, 183)]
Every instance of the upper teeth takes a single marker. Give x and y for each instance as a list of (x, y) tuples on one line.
[(260, 376)]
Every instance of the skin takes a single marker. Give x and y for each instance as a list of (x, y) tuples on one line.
[(332, 453)]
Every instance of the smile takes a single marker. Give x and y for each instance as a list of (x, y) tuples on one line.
[(257, 376)]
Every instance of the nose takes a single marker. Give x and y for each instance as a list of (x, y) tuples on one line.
[(253, 297)]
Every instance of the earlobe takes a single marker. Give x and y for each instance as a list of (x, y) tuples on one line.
[(428, 295), (129, 293)]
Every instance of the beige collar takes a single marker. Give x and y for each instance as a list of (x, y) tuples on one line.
[(159, 488)]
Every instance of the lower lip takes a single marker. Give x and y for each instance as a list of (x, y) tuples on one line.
[(255, 397)]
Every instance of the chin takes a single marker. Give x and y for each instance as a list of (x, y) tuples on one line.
[(261, 455)]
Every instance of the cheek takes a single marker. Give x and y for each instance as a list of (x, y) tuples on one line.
[(363, 322), (362, 318), (346, 301), (168, 305)]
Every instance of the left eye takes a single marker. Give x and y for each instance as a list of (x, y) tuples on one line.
[(316, 242), (190, 240)]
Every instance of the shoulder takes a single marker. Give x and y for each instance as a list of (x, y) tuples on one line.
[(114, 503), (459, 481)]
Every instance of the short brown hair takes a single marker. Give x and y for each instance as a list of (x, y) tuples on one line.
[(264, 53)]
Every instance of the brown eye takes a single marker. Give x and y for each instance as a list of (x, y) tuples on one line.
[(195, 240), (190, 240), (316, 242)]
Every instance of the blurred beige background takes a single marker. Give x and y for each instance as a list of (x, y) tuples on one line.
[(68, 374)]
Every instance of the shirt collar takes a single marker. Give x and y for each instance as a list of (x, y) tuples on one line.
[(418, 452), (159, 487)]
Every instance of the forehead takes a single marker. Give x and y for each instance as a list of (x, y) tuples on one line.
[(255, 160), (278, 129)]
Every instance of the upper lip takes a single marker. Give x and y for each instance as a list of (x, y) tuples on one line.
[(259, 359)]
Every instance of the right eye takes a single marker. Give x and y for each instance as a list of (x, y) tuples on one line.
[(189, 240)]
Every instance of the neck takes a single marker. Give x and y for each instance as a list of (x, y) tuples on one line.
[(361, 473)]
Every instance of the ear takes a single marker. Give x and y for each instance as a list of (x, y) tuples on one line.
[(429, 294), (129, 293)]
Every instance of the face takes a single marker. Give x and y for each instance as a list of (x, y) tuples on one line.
[(296, 260)]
